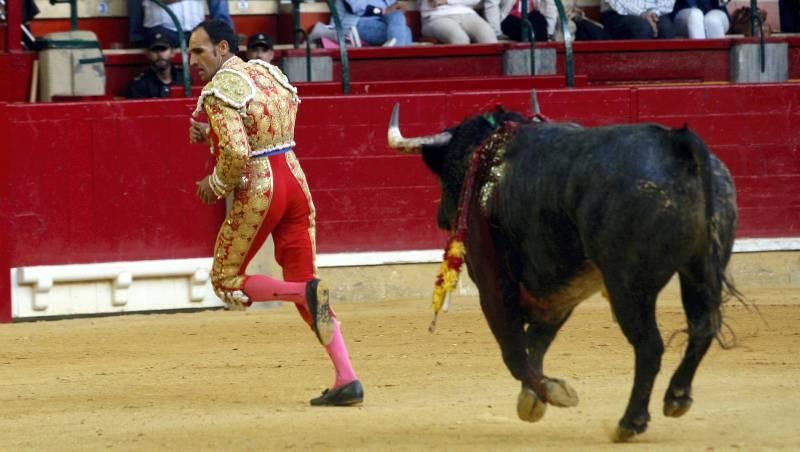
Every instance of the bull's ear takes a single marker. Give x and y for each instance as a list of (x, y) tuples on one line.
[(434, 157)]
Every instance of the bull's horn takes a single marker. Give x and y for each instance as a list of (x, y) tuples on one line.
[(411, 145)]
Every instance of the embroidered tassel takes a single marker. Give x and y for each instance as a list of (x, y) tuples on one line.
[(449, 271), (486, 156)]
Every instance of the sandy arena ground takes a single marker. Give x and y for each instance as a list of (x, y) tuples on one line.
[(241, 381)]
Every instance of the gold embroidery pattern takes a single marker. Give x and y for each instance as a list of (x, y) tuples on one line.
[(250, 206), (249, 109), (231, 142), (298, 174)]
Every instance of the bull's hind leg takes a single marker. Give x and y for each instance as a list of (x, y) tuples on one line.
[(635, 313), (701, 299)]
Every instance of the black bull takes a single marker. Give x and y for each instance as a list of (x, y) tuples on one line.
[(575, 211)]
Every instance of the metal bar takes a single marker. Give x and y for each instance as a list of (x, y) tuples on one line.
[(187, 80), (73, 12), (337, 22), (569, 59), (302, 32), (526, 25), (755, 20), (296, 21)]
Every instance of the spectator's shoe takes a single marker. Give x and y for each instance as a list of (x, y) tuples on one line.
[(318, 300), (350, 394), (390, 43)]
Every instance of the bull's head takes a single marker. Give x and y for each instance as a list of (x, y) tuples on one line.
[(447, 154)]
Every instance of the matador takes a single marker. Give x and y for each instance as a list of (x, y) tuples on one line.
[(251, 109)]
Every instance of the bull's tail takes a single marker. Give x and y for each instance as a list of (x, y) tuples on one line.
[(688, 143)]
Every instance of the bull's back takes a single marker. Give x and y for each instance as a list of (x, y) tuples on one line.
[(604, 195)]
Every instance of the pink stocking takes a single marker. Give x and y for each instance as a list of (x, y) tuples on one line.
[(263, 288), (341, 359)]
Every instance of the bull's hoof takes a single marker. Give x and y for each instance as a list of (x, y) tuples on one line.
[(529, 407), (559, 393), (627, 430), (677, 402)]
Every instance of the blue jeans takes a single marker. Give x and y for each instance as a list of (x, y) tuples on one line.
[(376, 30), (217, 9)]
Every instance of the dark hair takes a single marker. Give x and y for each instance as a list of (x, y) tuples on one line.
[(219, 31)]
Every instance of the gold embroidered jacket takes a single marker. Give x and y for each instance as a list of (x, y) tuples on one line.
[(251, 108)]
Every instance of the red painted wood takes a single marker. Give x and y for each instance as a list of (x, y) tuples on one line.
[(381, 170), (5, 227), (112, 32), (455, 84), (15, 77), (107, 181), (793, 42)]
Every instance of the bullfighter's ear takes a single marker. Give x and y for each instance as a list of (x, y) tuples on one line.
[(434, 157)]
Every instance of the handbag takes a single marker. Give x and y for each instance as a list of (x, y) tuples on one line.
[(741, 19)]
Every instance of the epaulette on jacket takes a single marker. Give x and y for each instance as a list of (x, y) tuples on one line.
[(231, 87)]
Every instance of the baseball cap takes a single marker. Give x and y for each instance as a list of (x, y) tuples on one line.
[(259, 39), (160, 41)]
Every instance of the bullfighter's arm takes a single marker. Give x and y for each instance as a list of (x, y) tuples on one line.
[(232, 145)]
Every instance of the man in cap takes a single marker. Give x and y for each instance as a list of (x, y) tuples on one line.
[(156, 80), (259, 47)]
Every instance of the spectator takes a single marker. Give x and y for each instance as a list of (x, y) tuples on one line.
[(455, 22), (378, 22), (700, 19), (789, 11), (638, 19), (259, 47), (139, 21), (505, 18), (156, 80)]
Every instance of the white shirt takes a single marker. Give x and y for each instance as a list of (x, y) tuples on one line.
[(189, 13)]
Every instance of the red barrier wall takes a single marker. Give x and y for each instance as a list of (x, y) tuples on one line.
[(107, 181)]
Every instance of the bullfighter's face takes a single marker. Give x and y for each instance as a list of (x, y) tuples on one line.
[(205, 56)]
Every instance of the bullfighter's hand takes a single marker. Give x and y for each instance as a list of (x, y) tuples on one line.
[(198, 133), (204, 191)]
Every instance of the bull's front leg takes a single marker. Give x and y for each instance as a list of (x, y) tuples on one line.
[(540, 335), (500, 306)]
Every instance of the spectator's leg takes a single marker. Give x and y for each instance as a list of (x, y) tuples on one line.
[(689, 23), (136, 22), (789, 11), (589, 31), (476, 28), (626, 26), (539, 25), (218, 9), (716, 24), (491, 12), (666, 28), (371, 30), (445, 30), (397, 28), (512, 27)]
